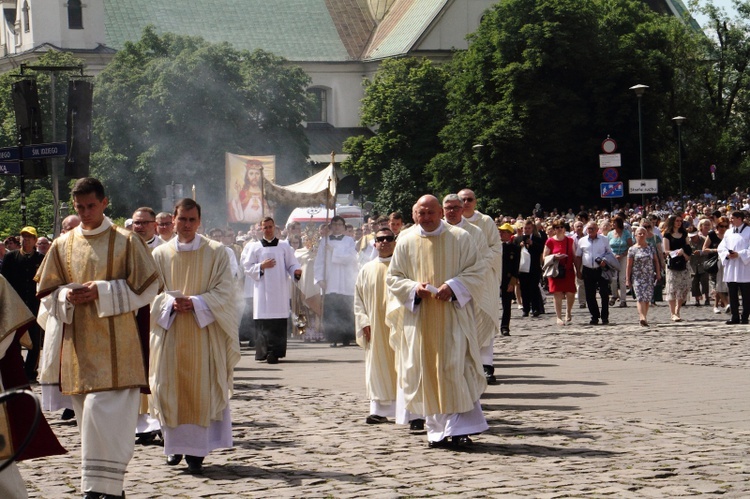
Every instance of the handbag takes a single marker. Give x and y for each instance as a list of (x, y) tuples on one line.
[(561, 270), (525, 263), (711, 264)]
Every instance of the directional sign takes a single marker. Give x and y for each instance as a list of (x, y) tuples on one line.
[(643, 186), (611, 190), (10, 154), (10, 168), (610, 174), (39, 151)]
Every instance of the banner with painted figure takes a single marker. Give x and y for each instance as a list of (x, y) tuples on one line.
[(246, 200)]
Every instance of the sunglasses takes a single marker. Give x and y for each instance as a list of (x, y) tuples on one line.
[(722, 226), (385, 239)]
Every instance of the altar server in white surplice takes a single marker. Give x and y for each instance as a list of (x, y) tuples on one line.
[(435, 277), (370, 300), (269, 263), (194, 342)]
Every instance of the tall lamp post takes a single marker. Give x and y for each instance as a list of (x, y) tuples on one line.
[(639, 89), (679, 120)]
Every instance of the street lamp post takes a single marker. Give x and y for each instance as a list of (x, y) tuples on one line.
[(639, 90), (679, 120)]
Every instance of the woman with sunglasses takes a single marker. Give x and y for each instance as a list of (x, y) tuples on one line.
[(563, 249), (719, 287)]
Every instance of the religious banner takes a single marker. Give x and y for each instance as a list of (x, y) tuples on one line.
[(245, 175)]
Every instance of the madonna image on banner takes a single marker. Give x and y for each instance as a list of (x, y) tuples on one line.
[(246, 202)]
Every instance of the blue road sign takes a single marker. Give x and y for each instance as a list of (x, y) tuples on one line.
[(11, 168), (611, 190), (39, 151), (10, 154)]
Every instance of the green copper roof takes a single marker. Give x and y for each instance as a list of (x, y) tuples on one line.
[(299, 30)]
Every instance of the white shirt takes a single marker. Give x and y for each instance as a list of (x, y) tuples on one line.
[(591, 249)]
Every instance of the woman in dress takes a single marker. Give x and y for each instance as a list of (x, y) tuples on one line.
[(562, 248), (719, 287), (677, 248), (620, 239), (643, 270), (654, 240)]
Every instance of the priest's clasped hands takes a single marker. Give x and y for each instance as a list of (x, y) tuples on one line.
[(86, 293), (183, 304), (426, 290)]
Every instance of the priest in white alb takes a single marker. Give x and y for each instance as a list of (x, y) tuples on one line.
[(194, 342), (494, 261), (92, 281), (435, 276), (269, 263), (370, 301)]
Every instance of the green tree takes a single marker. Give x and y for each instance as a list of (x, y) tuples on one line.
[(543, 83), (406, 101), (169, 107)]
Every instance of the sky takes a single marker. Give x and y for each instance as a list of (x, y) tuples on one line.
[(726, 4)]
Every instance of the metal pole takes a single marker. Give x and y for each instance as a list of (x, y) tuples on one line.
[(679, 120), (640, 145)]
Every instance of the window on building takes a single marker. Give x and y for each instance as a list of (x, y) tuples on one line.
[(75, 14), (319, 111), (26, 23)]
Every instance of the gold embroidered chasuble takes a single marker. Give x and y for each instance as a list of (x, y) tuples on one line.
[(99, 353), (191, 368), (437, 349), (370, 299)]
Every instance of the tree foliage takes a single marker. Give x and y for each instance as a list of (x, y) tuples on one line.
[(406, 102), (543, 83), (169, 107)]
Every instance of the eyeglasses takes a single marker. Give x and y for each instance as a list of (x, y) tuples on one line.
[(453, 208), (142, 223), (385, 239), (165, 224), (722, 226)]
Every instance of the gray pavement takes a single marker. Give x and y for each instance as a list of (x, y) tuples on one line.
[(579, 411)]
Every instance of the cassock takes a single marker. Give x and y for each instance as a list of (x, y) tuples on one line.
[(92, 350), (17, 414), (271, 293), (336, 264), (193, 354), (439, 365), (370, 301)]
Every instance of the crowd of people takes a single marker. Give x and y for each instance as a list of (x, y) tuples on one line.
[(138, 328)]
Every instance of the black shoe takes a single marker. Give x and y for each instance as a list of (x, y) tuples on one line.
[(489, 375), (68, 414), (174, 459), (146, 438), (536, 314), (743, 321), (345, 343), (416, 425), (272, 359), (462, 441), (440, 444), (593, 322), (732, 321), (505, 332), (525, 314), (101, 495), (605, 323), (195, 464), (375, 419)]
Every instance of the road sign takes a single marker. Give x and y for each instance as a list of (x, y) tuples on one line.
[(609, 145), (39, 151), (611, 190), (610, 160), (643, 186), (10, 154), (10, 168), (610, 174)]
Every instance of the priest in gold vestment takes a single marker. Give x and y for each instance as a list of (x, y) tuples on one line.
[(92, 281), (434, 278), (194, 342), (370, 300)]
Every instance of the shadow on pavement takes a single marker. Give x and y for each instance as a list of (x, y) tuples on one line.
[(291, 476), (545, 395), (521, 380)]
